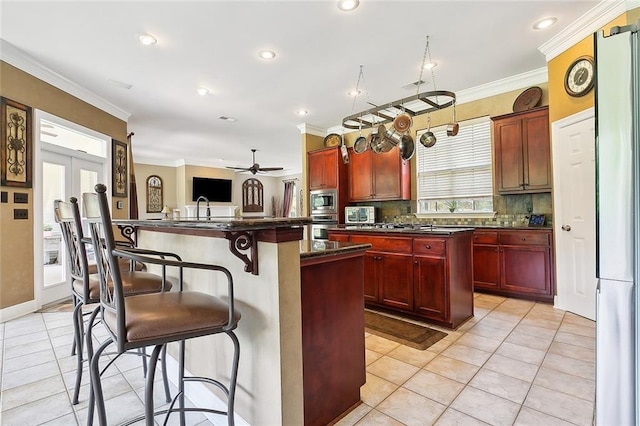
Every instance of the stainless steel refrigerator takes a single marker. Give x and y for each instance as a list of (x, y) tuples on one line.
[(618, 226)]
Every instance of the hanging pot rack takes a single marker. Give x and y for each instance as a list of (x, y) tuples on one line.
[(421, 103)]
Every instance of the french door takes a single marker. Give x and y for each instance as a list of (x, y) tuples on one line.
[(64, 173)]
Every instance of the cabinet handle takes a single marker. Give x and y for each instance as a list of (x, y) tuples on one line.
[(522, 239), (501, 250), (415, 262), (495, 250), (475, 237), (427, 246)]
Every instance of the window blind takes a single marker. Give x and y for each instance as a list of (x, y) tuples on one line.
[(456, 166)]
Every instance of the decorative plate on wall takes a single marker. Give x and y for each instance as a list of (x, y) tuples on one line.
[(528, 99)]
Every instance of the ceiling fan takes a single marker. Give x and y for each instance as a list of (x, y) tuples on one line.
[(255, 168)]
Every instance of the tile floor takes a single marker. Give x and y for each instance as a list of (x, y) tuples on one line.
[(516, 362)]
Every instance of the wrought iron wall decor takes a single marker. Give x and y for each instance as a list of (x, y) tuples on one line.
[(252, 196), (154, 194), (120, 171), (16, 144)]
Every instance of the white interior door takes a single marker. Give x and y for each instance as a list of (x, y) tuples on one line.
[(575, 212)]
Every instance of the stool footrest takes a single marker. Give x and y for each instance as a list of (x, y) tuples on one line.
[(209, 380)]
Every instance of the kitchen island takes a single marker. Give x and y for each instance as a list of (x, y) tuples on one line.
[(419, 271), (282, 317)]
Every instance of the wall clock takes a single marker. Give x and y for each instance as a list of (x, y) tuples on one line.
[(579, 78)]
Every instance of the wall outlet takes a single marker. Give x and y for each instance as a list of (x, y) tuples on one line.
[(20, 198), (20, 214)]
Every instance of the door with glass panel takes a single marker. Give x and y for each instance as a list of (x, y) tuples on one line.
[(64, 174)]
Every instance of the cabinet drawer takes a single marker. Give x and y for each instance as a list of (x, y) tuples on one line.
[(428, 246), (525, 238), (485, 237), (391, 244)]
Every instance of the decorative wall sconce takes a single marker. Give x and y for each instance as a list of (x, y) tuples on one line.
[(120, 170)]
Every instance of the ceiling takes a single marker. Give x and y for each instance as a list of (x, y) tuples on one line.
[(319, 50)]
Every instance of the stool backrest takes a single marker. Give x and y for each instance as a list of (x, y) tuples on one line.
[(96, 210), (68, 216)]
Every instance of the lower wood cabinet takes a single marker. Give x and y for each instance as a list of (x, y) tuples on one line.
[(514, 263), (424, 277)]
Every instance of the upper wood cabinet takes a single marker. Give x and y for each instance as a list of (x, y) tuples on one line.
[(325, 167), (380, 177), (522, 152)]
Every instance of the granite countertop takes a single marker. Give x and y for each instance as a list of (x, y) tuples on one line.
[(407, 229), (223, 223), (317, 248)]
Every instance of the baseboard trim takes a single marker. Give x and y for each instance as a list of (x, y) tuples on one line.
[(15, 311), (201, 396)]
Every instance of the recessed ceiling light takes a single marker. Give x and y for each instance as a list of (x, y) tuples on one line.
[(429, 65), (347, 5), (147, 39), (544, 23), (202, 91), (354, 92), (222, 117), (267, 54), (302, 112)]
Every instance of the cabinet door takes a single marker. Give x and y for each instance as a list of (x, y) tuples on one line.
[(371, 281), (360, 176), (387, 178), (396, 281), (537, 163), (526, 269), (430, 281), (323, 169), (486, 266), (507, 139)]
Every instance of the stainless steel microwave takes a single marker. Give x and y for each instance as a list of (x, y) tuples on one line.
[(359, 214), (323, 201)]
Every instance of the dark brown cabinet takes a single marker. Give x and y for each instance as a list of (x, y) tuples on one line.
[(518, 263), (424, 277), (324, 168), (522, 152), (383, 176)]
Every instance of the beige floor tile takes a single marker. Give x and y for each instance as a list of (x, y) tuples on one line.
[(507, 316), (501, 385), (375, 390), (452, 417), (479, 342), (376, 418), (69, 419), (392, 370), (26, 349), (29, 375), (480, 312), (485, 330), (578, 329), (498, 323), (517, 304), (534, 342), (24, 339), (452, 368), (530, 417), (31, 392), (467, 354), (521, 353), (486, 407), (576, 340), (111, 387), (583, 369), (434, 386), (539, 322), (572, 351), (66, 330), (119, 409), (512, 367), (534, 331), (380, 344), (571, 318), (29, 360), (37, 412), (566, 383), (412, 356), (24, 329), (354, 416), (481, 303), (561, 405), (411, 409), (440, 346), (371, 356)]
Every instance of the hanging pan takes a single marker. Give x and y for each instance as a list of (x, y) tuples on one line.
[(453, 127), (386, 144), (360, 145), (407, 147), (428, 139)]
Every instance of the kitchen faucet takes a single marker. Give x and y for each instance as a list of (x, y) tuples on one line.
[(202, 198)]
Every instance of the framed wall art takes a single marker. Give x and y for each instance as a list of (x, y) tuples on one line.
[(155, 200), (120, 171), (16, 146)]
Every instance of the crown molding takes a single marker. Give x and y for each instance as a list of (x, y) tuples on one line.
[(19, 59), (515, 82), (310, 129), (584, 26)]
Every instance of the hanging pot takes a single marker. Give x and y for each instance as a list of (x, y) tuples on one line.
[(406, 147), (402, 123), (453, 127), (428, 139), (360, 145), (384, 142)]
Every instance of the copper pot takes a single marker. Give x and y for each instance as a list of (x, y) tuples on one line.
[(402, 123)]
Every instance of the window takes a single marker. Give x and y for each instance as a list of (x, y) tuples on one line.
[(455, 175), (154, 194)]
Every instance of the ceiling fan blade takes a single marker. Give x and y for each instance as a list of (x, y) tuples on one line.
[(238, 168), (270, 169)]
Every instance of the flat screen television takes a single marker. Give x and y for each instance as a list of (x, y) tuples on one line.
[(213, 189)]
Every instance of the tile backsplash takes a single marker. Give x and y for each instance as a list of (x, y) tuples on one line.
[(511, 210)]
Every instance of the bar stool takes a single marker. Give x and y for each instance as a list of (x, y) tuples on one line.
[(85, 287), (155, 319)]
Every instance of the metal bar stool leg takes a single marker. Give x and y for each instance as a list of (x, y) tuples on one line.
[(95, 395), (148, 387), (234, 377), (76, 302), (77, 346), (181, 383), (165, 378), (89, 337)]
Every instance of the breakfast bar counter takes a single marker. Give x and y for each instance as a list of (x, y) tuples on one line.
[(297, 299)]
